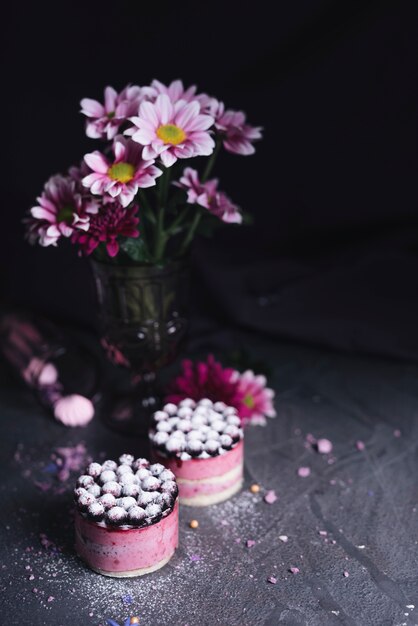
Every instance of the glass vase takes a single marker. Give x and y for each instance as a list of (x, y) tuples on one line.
[(143, 314)]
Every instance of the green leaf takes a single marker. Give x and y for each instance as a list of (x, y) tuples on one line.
[(136, 249)]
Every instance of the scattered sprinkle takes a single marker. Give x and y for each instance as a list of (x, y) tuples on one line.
[(303, 472), (284, 538), (410, 606), (361, 547), (323, 533), (194, 523), (194, 558), (127, 599), (51, 598), (346, 574), (255, 488), (31, 577), (250, 543), (272, 580), (270, 496), (397, 433), (294, 570), (360, 445), (324, 446)]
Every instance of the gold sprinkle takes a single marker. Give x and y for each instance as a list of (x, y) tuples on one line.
[(255, 488), (194, 523), (134, 620)]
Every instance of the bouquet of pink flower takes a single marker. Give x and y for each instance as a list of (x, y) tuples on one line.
[(138, 198)]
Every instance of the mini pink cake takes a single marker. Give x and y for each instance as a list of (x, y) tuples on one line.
[(202, 443), (127, 516)]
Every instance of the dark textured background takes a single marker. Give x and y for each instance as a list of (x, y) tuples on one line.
[(332, 257)]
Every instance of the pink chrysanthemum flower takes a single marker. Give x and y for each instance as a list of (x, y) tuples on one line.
[(255, 399), (176, 91), (246, 392), (172, 131), (204, 380), (104, 120), (61, 211), (237, 135), (208, 196), (122, 178), (112, 221)]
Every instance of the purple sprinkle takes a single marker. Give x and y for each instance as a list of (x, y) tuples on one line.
[(272, 580), (194, 558), (294, 570), (127, 599), (250, 543), (346, 574), (323, 533), (360, 445), (303, 472), (51, 598), (270, 497), (397, 433)]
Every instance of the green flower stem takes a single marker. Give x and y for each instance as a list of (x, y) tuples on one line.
[(211, 162), (160, 237), (190, 234), (178, 221), (148, 212)]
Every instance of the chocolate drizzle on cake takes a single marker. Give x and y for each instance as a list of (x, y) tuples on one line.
[(129, 494), (195, 430)]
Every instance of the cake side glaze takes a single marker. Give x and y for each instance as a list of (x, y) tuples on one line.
[(127, 552)]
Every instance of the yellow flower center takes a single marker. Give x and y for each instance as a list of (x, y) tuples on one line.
[(249, 402), (122, 172), (170, 133)]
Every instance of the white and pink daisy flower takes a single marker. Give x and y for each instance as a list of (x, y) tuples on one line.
[(104, 120), (176, 91), (125, 175), (255, 398), (172, 131), (61, 211), (237, 135), (208, 196)]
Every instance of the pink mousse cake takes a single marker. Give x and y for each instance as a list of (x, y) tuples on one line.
[(127, 516), (202, 444)]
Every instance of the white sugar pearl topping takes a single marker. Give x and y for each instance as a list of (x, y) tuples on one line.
[(233, 420), (160, 415), (225, 441), (205, 402), (156, 469), (126, 502), (194, 434), (164, 427), (160, 438), (96, 509), (150, 483), (126, 458), (153, 509), (166, 475), (143, 473), (95, 490), (170, 408), (108, 500), (219, 406), (107, 476), (112, 487), (187, 402), (94, 469), (185, 411)]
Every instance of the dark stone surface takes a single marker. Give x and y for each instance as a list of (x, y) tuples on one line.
[(367, 502)]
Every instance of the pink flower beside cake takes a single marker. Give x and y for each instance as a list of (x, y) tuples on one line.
[(127, 516), (202, 444)]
